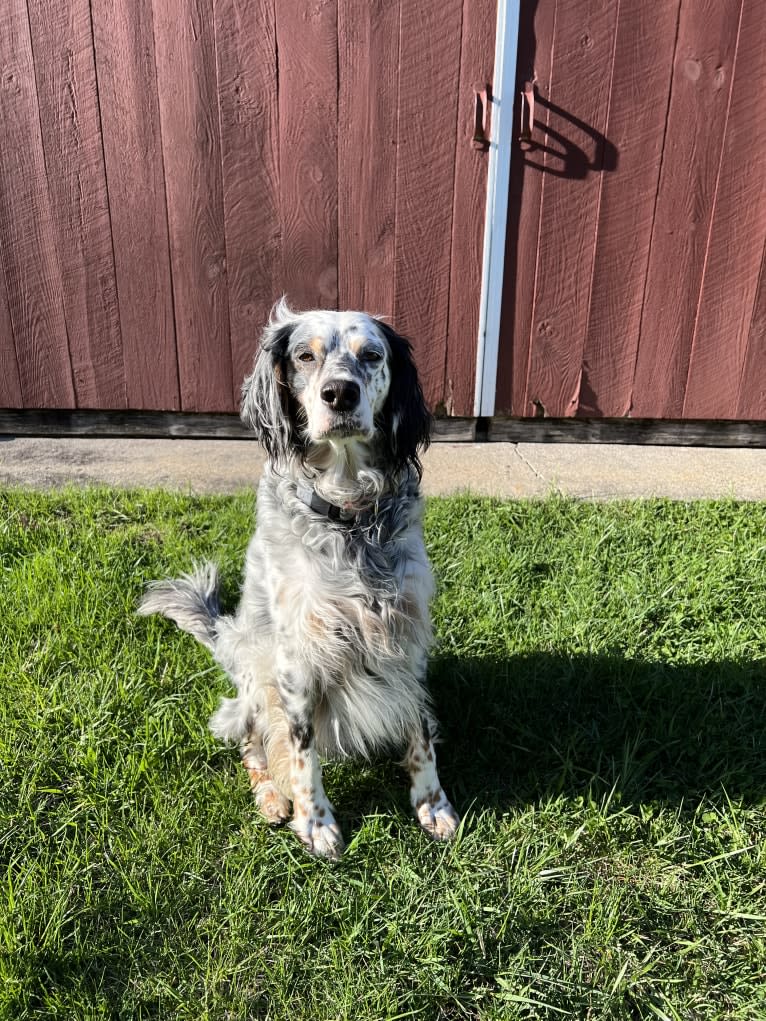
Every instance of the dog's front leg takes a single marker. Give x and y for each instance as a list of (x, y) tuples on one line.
[(313, 818), (435, 814)]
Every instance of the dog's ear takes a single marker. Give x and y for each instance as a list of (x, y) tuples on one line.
[(407, 421), (267, 406)]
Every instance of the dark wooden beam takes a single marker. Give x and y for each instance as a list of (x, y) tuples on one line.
[(643, 431), (167, 425), (180, 425)]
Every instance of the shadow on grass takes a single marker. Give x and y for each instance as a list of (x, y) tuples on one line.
[(521, 729)]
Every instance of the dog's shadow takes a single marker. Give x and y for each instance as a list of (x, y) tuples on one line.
[(524, 729), (520, 731)]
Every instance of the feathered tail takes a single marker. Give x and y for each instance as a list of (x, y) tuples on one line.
[(191, 601)]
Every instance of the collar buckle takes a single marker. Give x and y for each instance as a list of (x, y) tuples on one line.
[(308, 495)]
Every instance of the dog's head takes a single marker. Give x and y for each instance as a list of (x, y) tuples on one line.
[(334, 377)]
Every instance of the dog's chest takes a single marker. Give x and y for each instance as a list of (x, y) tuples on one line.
[(347, 600)]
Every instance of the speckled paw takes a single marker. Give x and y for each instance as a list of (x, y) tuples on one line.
[(438, 818), (321, 837), (274, 806)]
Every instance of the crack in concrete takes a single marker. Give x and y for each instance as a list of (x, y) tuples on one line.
[(528, 463)]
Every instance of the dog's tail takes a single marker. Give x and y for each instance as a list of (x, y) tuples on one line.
[(191, 601)]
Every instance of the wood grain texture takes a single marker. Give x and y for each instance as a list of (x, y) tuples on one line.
[(527, 185), (468, 210), (699, 104), (10, 382), (429, 53), (170, 424), (574, 167), (181, 425), (307, 42), (27, 238), (128, 424), (247, 95), (212, 154), (368, 56), (643, 431), (62, 44), (186, 80), (751, 395), (638, 106), (130, 123), (737, 233)]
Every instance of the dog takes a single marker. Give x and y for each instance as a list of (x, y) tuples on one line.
[(328, 647)]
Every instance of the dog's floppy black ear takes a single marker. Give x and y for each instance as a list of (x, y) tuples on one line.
[(267, 406), (407, 421)]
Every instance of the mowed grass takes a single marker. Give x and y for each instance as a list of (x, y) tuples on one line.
[(600, 681)]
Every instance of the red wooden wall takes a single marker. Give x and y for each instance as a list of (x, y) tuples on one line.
[(636, 265), (170, 167)]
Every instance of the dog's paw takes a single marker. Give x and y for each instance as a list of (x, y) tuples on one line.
[(437, 816), (274, 806), (321, 837)]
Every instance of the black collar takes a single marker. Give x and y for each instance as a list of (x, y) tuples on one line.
[(308, 495)]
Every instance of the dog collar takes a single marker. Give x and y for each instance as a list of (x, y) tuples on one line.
[(308, 495)]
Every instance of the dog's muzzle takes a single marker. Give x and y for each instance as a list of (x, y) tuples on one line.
[(341, 395), (341, 401)]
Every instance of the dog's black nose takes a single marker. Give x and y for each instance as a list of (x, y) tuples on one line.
[(341, 394)]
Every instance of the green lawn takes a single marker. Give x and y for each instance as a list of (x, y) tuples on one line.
[(600, 682)]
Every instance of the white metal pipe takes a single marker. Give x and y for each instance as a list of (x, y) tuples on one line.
[(495, 221)]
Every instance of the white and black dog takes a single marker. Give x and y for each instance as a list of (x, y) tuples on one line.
[(328, 647)]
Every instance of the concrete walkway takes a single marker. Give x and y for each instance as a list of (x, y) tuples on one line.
[(516, 470)]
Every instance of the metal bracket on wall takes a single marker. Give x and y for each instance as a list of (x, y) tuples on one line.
[(527, 116), (482, 99)]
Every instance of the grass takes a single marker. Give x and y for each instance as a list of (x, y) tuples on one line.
[(600, 681)]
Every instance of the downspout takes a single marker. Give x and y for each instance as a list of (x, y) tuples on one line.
[(495, 219)]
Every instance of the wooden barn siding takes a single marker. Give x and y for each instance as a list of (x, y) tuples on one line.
[(30, 256), (130, 130), (635, 257), (170, 167)]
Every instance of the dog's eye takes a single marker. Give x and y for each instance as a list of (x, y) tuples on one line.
[(306, 356), (371, 355)]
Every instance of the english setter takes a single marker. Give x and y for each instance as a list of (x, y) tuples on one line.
[(328, 646)]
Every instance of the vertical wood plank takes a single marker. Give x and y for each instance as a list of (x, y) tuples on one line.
[(247, 81), (186, 81), (62, 44), (699, 103), (27, 240), (733, 259), (751, 396), (429, 52), (10, 383), (577, 157), (368, 52), (307, 41), (527, 185), (130, 124), (638, 105), (468, 210)]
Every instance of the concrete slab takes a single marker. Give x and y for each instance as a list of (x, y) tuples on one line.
[(596, 471), (199, 466), (486, 469), (507, 470), (224, 466)]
